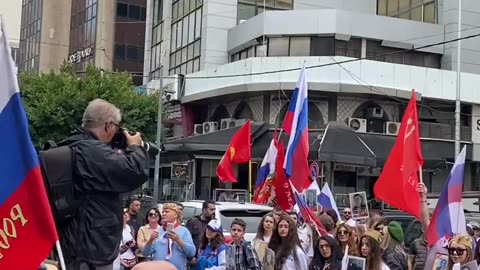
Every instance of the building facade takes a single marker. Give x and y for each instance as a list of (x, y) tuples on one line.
[(242, 63), (10, 12), (108, 34)]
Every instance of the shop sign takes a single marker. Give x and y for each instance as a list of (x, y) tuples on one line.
[(78, 56), (180, 170), (173, 114)]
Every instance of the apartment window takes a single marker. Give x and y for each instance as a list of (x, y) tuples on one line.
[(128, 52), (131, 12), (376, 51), (29, 51), (185, 36), (278, 46), (247, 9), (417, 10)]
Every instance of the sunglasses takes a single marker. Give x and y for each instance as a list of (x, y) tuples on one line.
[(378, 229), (152, 214), (342, 232), (458, 251), (347, 212)]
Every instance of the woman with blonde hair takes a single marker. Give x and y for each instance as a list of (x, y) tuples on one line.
[(459, 250), (392, 245), (347, 237)]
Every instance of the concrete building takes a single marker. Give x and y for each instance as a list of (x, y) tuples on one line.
[(11, 14), (108, 34), (242, 63)]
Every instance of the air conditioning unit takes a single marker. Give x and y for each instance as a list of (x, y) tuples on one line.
[(227, 123), (209, 127), (197, 129), (392, 128), (240, 122), (358, 124)]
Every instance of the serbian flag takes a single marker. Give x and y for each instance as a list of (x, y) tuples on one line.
[(28, 233), (448, 218), (238, 152), (264, 189), (326, 200), (397, 184), (296, 126), (307, 214)]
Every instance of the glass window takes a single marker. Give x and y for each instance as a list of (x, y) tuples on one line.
[(429, 13), (119, 51), (284, 4), (179, 34), (180, 8), (403, 5), (134, 12), (245, 12), (198, 23), (392, 8), (132, 53), (322, 46), (278, 46), (191, 27), (175, 11), (173, 45), (417, 14), (143, 14), (299, 46), (185, 32), (382, 7)]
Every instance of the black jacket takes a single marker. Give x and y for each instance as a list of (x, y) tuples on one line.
[(101, 175), (395, 260), (197, 227)]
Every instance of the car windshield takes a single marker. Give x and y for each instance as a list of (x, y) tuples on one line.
[(251, 217)]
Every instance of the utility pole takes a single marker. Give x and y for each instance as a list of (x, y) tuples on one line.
[(457, 100), (159, 137)]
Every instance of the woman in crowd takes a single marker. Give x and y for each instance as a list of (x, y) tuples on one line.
[(377, 223), (347, 237), (286, 245), (327, 256), (152, 221), (459, 250), (265, 231), (392, 244), (370, 249), (126, 259), (211, 252)]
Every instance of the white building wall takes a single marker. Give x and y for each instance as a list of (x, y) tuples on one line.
[(11, 13)]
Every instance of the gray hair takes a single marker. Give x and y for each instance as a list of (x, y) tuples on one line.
[(99, 112)]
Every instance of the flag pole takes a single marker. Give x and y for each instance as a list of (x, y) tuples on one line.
[(250, 180), (60, 255), (420, 174)]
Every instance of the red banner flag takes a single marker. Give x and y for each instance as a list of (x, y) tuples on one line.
[(283, 192), (238, 152), (397, 184)]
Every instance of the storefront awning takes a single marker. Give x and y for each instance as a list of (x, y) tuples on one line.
[(215, 141), (342, 145)]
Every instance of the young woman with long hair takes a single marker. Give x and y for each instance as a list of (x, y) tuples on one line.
[(370, 249), (459, 250), (346, 236), (211, 252), (265, 231), (327, 255), (286, 245), (393, 249)]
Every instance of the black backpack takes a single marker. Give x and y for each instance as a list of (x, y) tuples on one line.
[(56, 163)]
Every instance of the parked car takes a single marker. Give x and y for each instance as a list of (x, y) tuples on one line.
[(226, 212)]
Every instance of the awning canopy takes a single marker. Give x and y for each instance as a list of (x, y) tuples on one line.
[(215, 141), (341, 144)]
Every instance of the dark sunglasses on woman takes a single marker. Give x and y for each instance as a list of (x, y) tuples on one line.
[(152, 214), (459, 251)]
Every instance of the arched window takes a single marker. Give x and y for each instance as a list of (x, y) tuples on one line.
[(220, 113), (375, 115), (243, 111), (315, 117)]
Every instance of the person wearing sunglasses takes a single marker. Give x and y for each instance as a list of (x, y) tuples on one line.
[(153, 221), (327, 256), (392, 244), (347, 217), (459, 250), (346, 237)]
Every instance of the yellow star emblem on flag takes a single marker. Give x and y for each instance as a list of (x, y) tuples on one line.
[(232, 152)]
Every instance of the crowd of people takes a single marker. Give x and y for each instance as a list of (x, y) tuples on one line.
[(99, 236)]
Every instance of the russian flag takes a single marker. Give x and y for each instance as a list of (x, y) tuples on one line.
[(27, 234), (326, 199), (296, 125), (448, 218), (307, 214)]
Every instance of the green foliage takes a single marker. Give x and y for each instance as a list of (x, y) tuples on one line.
[(54, 102)]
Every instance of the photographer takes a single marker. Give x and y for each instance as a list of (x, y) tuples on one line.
[(91, 239)]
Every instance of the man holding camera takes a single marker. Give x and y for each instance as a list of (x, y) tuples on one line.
[(91, 239)]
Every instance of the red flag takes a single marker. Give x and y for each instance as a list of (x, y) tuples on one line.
[(283, 191), (397, 184), (238, 152)]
